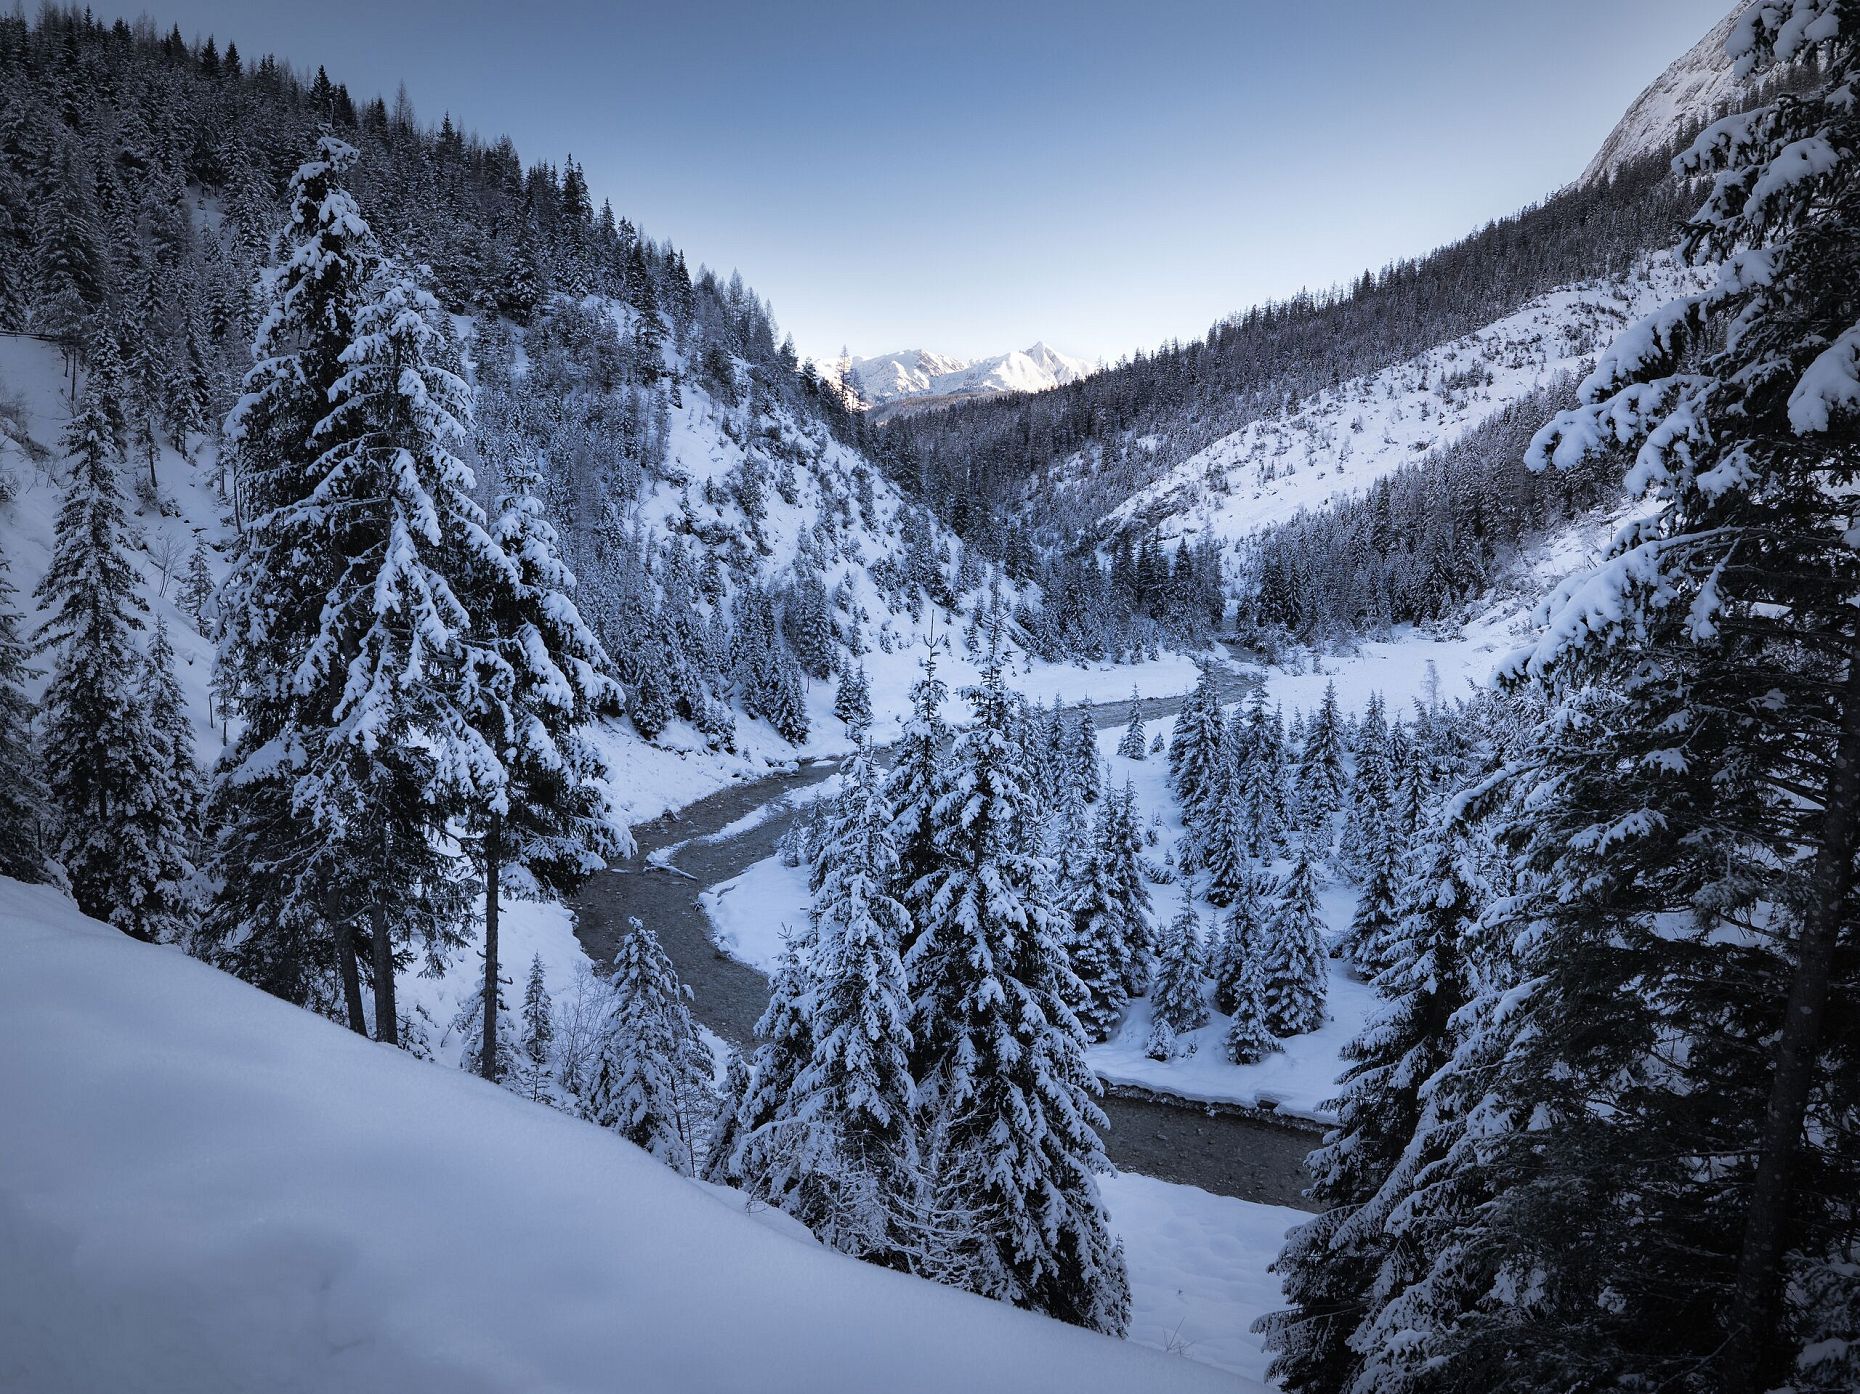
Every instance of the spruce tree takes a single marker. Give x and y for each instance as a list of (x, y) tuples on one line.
[(23, 792), (534, 682), (396, 658), (1334, 1266), (998, 1053), (784, 1047), (1372, 795), (918, 778), (116, 833), (1683, 1068), (854, 1172), (852, 700), (1133, 744), (1225, 843), (1196, 748), (652, 1085), (283, 916), (1243, 938), (1321, 777), (535, 1049), (1293, 967), (1176, 1002)]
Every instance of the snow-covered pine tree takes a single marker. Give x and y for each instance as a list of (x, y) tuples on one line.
[(1335, 1266), (1120, 849), (1086, 773), (1372, 795), (1321, 776), (653, 1082), (998, 1054), (535, 679), (1134, 743), (918, 778), (197, 591), (1227, 835), (534, 1077), (852, 1173), (490, 1053), (1248, 1040), (724, 1145), (1682, 1056), (1293, 967), (1243, 935), (1257, 763), (852, 699), (1097, 920), (1196, 749), (275, 917), (395, 657), (1364, 945), (117, 836), (23, 792), (1176, 1002), (784, 1046)]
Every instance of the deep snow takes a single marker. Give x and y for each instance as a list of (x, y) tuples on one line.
[(205, 1189)]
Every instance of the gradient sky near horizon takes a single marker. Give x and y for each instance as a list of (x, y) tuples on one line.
[(973, 177)]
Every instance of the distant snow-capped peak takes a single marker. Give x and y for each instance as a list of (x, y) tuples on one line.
[(893, 377)]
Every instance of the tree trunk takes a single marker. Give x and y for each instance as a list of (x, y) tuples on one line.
[(493, 858), (1751, 1317), (351, 974), (387, 1019)]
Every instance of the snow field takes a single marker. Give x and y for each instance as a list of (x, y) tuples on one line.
[(205, 1189)]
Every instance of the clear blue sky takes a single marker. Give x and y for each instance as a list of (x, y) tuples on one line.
[(971, 177)]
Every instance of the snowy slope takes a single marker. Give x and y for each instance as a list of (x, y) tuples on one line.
[(892, 377), (204, 1189), (1694, 88), (1338, 441)]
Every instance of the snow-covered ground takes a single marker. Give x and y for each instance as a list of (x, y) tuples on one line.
[(1198, 1263), (204, 1189), (1338, 441)]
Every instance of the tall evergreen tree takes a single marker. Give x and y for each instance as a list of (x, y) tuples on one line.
[(23, 792), (1000, 1056), (1336, 1265), (103, 763), (1176, 1002), (281, 915), (854, 1172), (1293, 967), (652, 1085), (1684, 1067), (538, 679), (1196, 748), (1321, 775), (919, 775)]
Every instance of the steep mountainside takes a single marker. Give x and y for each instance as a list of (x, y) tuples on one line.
[(1699, 84)]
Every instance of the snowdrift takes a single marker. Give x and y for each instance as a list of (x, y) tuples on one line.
[(202, 1189)]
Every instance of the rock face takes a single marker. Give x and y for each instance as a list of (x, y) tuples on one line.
[(1697, 85)]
